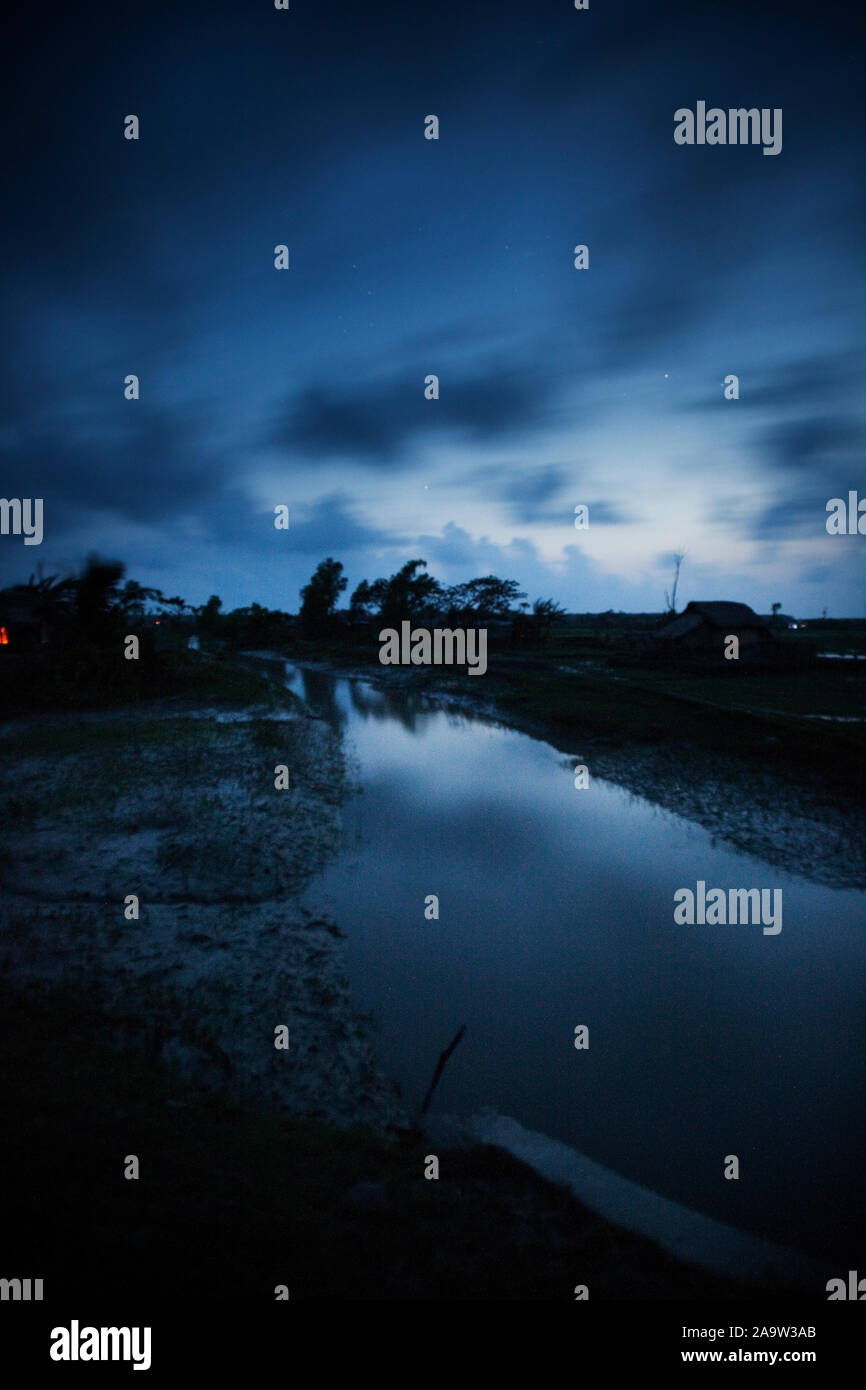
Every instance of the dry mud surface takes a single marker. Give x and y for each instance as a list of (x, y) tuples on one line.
[(181, 811)]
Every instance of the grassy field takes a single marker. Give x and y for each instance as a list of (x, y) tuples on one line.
[(758, 717), (51, 682)]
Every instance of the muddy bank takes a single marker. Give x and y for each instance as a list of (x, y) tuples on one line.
[(180, 811)]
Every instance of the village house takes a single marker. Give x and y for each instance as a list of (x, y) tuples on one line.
[(22, 624), (699, 632)]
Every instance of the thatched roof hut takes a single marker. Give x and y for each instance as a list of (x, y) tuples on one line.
[(701, 629)]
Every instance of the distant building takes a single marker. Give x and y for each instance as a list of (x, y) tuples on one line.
[(699, 632), (22, 625)]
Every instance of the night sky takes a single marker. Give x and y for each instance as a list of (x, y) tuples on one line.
[(410, 256)]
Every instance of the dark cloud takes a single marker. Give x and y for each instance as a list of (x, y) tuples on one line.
[(644, 323), (794, 518), (132, 460), (818, 382), (811, 380), (377, 422), (529, 492), (327, 527), (608, 514), (825, 445), (819, 457), (372, 423)]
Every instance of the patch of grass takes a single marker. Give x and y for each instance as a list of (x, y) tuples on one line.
[(56, 680), (777, 693)]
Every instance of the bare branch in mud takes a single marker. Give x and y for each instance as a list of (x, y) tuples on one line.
[(440, 1067)]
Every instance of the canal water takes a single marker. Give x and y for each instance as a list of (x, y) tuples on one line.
[(556, 910)]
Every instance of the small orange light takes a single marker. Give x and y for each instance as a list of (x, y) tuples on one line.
[(157, 622), (4, 637)]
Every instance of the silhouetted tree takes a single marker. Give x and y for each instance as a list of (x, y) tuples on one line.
[(319, 597), (534, 628), (360, 601), (408, 594), (209, 618), (491, 597), (96, 594), (134, 597), (545, 612), (477, 599), (55, 597)]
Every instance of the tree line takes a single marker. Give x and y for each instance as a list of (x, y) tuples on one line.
[(413, 594), (95, 606)]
